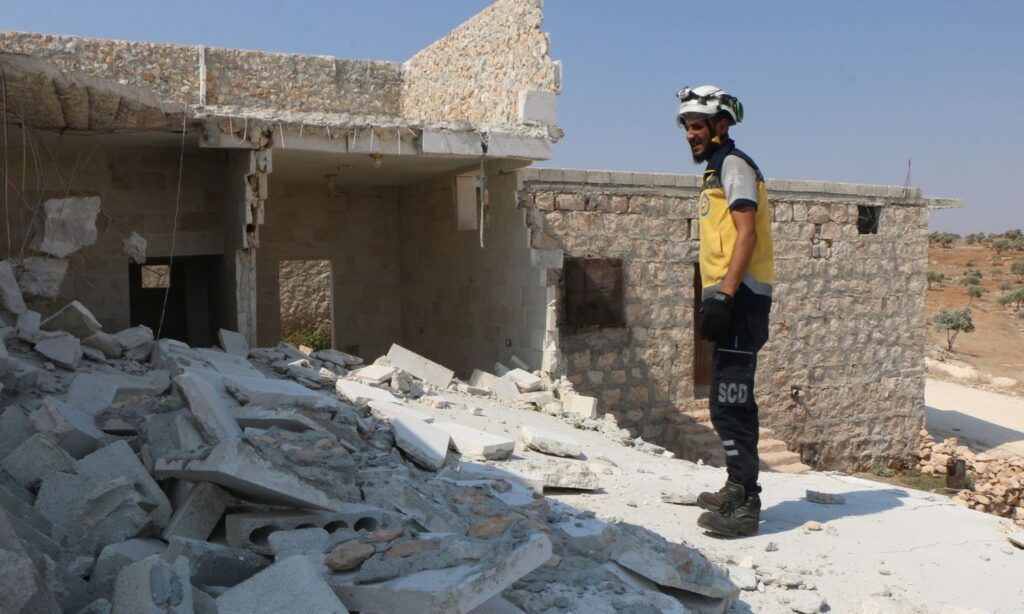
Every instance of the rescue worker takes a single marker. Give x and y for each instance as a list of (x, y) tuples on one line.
[(736, 269)]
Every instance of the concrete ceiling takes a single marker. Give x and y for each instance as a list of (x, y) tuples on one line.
[(301, 166)]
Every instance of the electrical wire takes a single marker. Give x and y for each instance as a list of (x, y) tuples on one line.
[(174, 227)]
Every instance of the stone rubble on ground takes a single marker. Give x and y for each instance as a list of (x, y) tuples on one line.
[(996, 478), (160, 477)]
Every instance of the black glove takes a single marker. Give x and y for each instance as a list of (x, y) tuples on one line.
[(717, 319)]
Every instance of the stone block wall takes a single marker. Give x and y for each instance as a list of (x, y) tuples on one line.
[(357, 230), (848, 322), (476, 72), (466, 306), (137, 186)]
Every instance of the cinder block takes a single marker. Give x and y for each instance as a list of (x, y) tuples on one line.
[(526, 381), (63, 350), (389, 411), (580, 405), (115, 557), (252, 530), (362, 394), (15, 429), (209, 408), (199, 513), (117, 460), (74, 431)]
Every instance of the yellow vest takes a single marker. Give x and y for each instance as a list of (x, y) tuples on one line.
[(718, 234)]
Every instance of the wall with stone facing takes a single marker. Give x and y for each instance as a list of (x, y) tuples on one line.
[(848, 322), (302, 82), (137, 188), (305, 291), (171, 70), (233, 77), (461, 304), (357, 230), (476, 72)]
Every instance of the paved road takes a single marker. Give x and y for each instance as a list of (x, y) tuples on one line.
[(980, 419)]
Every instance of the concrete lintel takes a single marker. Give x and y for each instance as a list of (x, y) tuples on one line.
[(944, 203), (521, 147), (447, 143), (212, 137)]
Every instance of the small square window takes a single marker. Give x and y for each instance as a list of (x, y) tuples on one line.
[(593, 293), (156, 276), (867, 219)]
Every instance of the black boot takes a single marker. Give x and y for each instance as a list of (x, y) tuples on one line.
[(713, 501), (739, 514)]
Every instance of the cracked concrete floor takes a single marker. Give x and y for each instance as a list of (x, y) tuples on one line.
[(914, 544)]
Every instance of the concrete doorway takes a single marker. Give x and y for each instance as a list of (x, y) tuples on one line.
[(192, 298)]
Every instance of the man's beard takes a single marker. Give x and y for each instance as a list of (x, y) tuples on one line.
[(709, 150)]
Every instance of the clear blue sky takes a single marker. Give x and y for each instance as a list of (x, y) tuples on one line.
[(840, 91)]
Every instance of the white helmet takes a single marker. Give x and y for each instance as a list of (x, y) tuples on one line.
[(707, 100)]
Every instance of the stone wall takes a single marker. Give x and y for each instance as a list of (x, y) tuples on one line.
[(848, 322), (357, 230), (137, 186), (476, 72), (257, 79), (305, 292), (253, 79), (467, 306)]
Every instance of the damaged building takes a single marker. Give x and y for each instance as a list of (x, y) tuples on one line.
[(191, 189)]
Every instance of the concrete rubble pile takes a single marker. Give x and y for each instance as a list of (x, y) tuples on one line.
[(998, 477), (143, 475)]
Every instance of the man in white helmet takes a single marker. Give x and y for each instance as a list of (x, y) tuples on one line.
[(736, 268)]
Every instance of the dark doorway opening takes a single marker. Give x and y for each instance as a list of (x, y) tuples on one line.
[(702, 350), (193, 297)]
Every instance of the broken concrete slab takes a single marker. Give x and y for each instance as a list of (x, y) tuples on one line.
[(468, 471), (93, 392), (233, 343), (104, 342), (62, 350), (679, 496), (73, 430), (474, 443), (288, 418), (388, 411), (65, 225), (527, 382), (212, 564), (454, 589), (209, 408), (559, 473), (154, 586), (40, 278), (644, 587), (539, 398), (238, 468), (135, 246), (336, 357), (271, 392), (5, 356), (311, 540), (35, 459), (420, 367), (362, 394), (423, 443), (23, 576), (134, 337), (580, 405), (15, 429), (93, 354), (115, 557), (118, 460), (10, 293), (668, 564), (292, 585), (549, 442), (73, 318), (227, 364), (19, 376), (199, 513), (825, 498), (27, 327), (377, 374)]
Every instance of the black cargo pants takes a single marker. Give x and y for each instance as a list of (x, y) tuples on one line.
[(733, 408)]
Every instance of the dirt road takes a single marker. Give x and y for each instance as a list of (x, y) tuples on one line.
[(980, 419)]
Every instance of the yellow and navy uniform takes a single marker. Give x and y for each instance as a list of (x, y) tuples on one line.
[(731, 180)]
